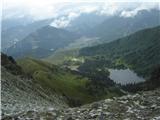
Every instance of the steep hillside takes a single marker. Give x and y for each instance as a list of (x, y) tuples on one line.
[(118, 26), (64, 82), (20, 92), (10, 64), (139, 51), (42, 42), (141, 106)]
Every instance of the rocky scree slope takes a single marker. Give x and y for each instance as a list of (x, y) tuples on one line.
[(19, 93), (140, 106)]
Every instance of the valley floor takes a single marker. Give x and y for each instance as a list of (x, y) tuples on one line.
[(140, 106)]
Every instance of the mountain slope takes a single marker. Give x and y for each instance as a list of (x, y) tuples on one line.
[(64, 83), (85, 22), (67, 83), (20, 92), (140, 106), (117, 26), (139, 51), (13, 34), (42, 42)]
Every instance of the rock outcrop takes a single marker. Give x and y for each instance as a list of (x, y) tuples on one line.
[(21, 94), (140, 106)]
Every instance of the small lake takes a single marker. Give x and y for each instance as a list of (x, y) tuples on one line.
[(124, 76)]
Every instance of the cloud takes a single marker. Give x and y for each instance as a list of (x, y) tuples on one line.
[(73, 11), (109, 8), (72, 15), (37, 9), (65, 11), (64, 21), (105, 8), (142, 6), (60, 23)]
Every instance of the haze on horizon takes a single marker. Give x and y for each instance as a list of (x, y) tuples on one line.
[(65, 11)]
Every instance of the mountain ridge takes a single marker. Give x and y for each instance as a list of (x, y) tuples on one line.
[(116, 27), (46, 39)]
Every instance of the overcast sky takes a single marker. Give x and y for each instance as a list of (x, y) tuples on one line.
[(65, 11)]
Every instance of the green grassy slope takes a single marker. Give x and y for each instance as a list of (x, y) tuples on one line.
[(60, 81), (140, 51), (63, 82)]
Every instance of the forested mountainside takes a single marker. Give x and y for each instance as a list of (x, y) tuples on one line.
[(118, 26), (42, 42), (139, 51)]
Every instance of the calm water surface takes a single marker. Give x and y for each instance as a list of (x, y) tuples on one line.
[(124, 76)]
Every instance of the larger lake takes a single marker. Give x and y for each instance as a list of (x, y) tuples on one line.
[(124, 76)]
